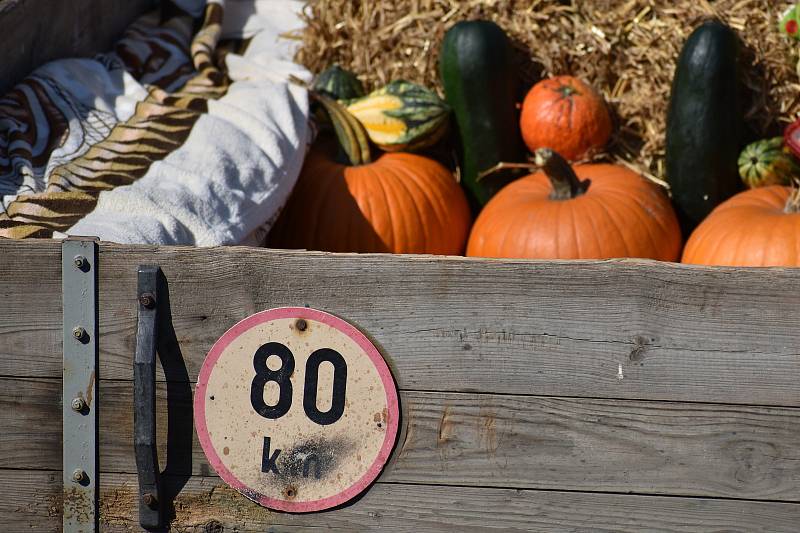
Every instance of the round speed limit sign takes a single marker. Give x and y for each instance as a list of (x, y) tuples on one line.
[(296, 409)]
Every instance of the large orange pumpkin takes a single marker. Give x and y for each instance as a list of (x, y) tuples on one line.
[(758, 227), (400, 203), (581, 212), (567, 115)]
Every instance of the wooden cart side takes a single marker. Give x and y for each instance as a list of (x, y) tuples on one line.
[(624, 329), (485, 440), (204, 505), (516, 413)]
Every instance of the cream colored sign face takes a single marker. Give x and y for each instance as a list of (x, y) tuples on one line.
[(296, 409)]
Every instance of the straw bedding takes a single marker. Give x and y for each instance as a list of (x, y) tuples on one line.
[(626, 49)]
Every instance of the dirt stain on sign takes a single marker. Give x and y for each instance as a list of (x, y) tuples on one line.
[(315, 458)]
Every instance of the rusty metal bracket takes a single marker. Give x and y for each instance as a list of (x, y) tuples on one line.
[(79, 386), (144, 400)]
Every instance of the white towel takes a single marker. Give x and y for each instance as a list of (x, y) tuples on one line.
[(229, 180)]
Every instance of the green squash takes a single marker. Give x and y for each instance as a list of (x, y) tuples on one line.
[(767, 162), (705, 124), (479, 75), (402, 116), (338, 83)]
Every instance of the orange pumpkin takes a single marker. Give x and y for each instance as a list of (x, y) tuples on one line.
[(400, 203), (565, 114), (758, 227), (581, 212)]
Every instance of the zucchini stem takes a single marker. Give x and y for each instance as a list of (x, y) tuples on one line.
[(566, 184)]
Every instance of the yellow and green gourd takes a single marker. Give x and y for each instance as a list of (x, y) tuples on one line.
[(767, 162), (402, 116)]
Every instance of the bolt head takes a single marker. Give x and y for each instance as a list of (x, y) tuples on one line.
[(147, 300), (80, 262), (148, 499), (301, 325), (78, 404), (78, 332), (77, 475)]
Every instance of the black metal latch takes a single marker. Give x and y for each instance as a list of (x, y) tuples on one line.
[(144, 400)]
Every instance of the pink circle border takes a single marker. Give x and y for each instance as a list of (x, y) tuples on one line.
[(359, 338)]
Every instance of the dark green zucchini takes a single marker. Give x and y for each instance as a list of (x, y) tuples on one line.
[(705, 124), (480, 84)]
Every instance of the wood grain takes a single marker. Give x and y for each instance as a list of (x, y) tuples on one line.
[(30, 316), (37, 31), (34, 506), (404, 508), (612, 329), (31, 500), (483, 440)]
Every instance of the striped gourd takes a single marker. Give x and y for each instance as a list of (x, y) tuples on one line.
[(767, 162), (338, 83), (402, 116)]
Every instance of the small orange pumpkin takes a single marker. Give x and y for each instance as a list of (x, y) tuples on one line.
[(758, 227), (400, 203), (554, 214), (567, 115)]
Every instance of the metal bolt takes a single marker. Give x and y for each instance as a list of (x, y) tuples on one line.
[(301, 324), (78, 404), (78, 332), (148, 499), (80, 262), (147, 300), (78, 475)]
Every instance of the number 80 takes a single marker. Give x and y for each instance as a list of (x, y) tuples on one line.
[(282, 376)]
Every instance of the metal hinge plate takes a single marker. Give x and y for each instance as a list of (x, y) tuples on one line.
[(79, 290)]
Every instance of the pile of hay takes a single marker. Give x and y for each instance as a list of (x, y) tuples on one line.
[(626, 49)]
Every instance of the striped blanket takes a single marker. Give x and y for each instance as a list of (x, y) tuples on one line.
[(187, 132)]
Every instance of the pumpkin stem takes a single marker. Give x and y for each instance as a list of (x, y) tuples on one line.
[(566, 91), (351, 134), (566, 184)]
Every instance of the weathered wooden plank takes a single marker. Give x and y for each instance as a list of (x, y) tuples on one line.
[(35, 503), (614, 329), (31, 423), (679, 333), (482, 440), (558, 443), (30, 317), (78, 28), (403, 508), (31, 500)]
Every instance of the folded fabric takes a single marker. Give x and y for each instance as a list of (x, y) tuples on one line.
[(173, 137)]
